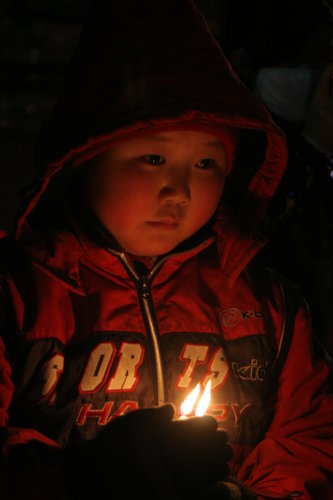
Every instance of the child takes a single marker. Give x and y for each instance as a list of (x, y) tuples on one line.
[(131, 282)]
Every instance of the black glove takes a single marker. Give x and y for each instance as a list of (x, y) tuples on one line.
[(195, 453), (146, 454)]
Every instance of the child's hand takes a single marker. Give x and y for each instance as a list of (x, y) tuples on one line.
[(147, 453), (318, 128)]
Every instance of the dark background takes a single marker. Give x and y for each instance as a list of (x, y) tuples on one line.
[(37, 40)]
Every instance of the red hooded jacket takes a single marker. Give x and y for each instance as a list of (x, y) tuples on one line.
[(96, 334)]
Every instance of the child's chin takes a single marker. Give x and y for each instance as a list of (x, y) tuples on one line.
[(154, 250)]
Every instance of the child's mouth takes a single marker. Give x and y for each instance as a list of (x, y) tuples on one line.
[(164, 224)]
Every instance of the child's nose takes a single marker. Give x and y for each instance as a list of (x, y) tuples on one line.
[(176, 188)]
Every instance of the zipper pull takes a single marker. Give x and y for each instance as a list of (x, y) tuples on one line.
[(145, 289)]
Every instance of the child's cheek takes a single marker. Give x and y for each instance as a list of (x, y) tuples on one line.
[(210, 190)]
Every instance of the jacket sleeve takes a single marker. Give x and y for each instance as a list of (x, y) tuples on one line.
[(31, 463), (295, 458)]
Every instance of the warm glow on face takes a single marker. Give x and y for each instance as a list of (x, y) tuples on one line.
[(204, 401), (188, 404)]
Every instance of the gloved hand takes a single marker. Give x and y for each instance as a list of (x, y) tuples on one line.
[(146, 454), (195, 453)]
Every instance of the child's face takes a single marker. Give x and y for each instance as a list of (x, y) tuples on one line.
[(154, 191)]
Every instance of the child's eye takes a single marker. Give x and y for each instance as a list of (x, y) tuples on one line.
[(206, 163), (154, 159)]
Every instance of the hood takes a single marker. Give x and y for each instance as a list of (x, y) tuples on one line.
[(148, 65)]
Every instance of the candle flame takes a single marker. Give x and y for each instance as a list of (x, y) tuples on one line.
[(204, 401), (188, 403)]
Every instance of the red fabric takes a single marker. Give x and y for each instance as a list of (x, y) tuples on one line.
[(296, 453)]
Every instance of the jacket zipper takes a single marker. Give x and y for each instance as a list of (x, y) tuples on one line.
[(151, 325), (147, 308)]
